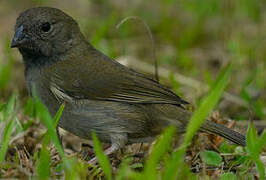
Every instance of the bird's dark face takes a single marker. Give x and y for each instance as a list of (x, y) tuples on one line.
[(44, 32)]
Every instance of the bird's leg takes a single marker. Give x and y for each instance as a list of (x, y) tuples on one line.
[(118, 142), (107, 152)]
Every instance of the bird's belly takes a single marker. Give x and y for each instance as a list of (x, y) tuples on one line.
[(105, 119)]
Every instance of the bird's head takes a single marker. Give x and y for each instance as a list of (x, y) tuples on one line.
[(45, 32)]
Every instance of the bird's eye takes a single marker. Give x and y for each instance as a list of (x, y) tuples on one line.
[(46, 27)]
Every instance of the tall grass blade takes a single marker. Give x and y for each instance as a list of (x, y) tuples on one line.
[(162, 145), (198, 117), (103, 160), (8, 119)]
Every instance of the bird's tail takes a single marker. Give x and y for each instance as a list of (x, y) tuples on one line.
[(223, 131)]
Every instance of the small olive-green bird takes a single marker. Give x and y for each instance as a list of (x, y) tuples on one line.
[(121, 105)]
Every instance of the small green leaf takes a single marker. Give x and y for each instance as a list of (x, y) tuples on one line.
[(262, 142), (252, 139), (228, 176), (212, 158), (254, 146)]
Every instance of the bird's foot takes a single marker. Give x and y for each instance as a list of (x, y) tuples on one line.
[(107, 152)]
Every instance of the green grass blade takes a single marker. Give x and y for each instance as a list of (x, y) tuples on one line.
[(103, 160), (47, 120), (55, 121), (174, 165), (208, 104), (260, 167), (162, 145), (198, 117), (45, 117), (5, 139), (262, 141), (43, 164), (9, 107), (58, 114), (8, 118), (2, 106)]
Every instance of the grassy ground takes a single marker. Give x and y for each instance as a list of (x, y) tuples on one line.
[(193, 39)]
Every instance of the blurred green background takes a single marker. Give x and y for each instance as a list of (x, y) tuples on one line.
[(194, 38)]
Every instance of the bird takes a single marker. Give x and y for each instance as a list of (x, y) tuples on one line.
[(119, 104)]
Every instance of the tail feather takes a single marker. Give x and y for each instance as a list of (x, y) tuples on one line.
[(225, 132)]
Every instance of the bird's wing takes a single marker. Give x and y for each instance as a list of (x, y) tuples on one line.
[(107, 80)]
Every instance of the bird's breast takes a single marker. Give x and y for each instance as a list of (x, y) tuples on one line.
[(36, 83)]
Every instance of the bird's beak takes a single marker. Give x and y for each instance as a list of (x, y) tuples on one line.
[(19, 38)]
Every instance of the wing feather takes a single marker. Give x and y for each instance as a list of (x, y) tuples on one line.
[(113, 82)]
